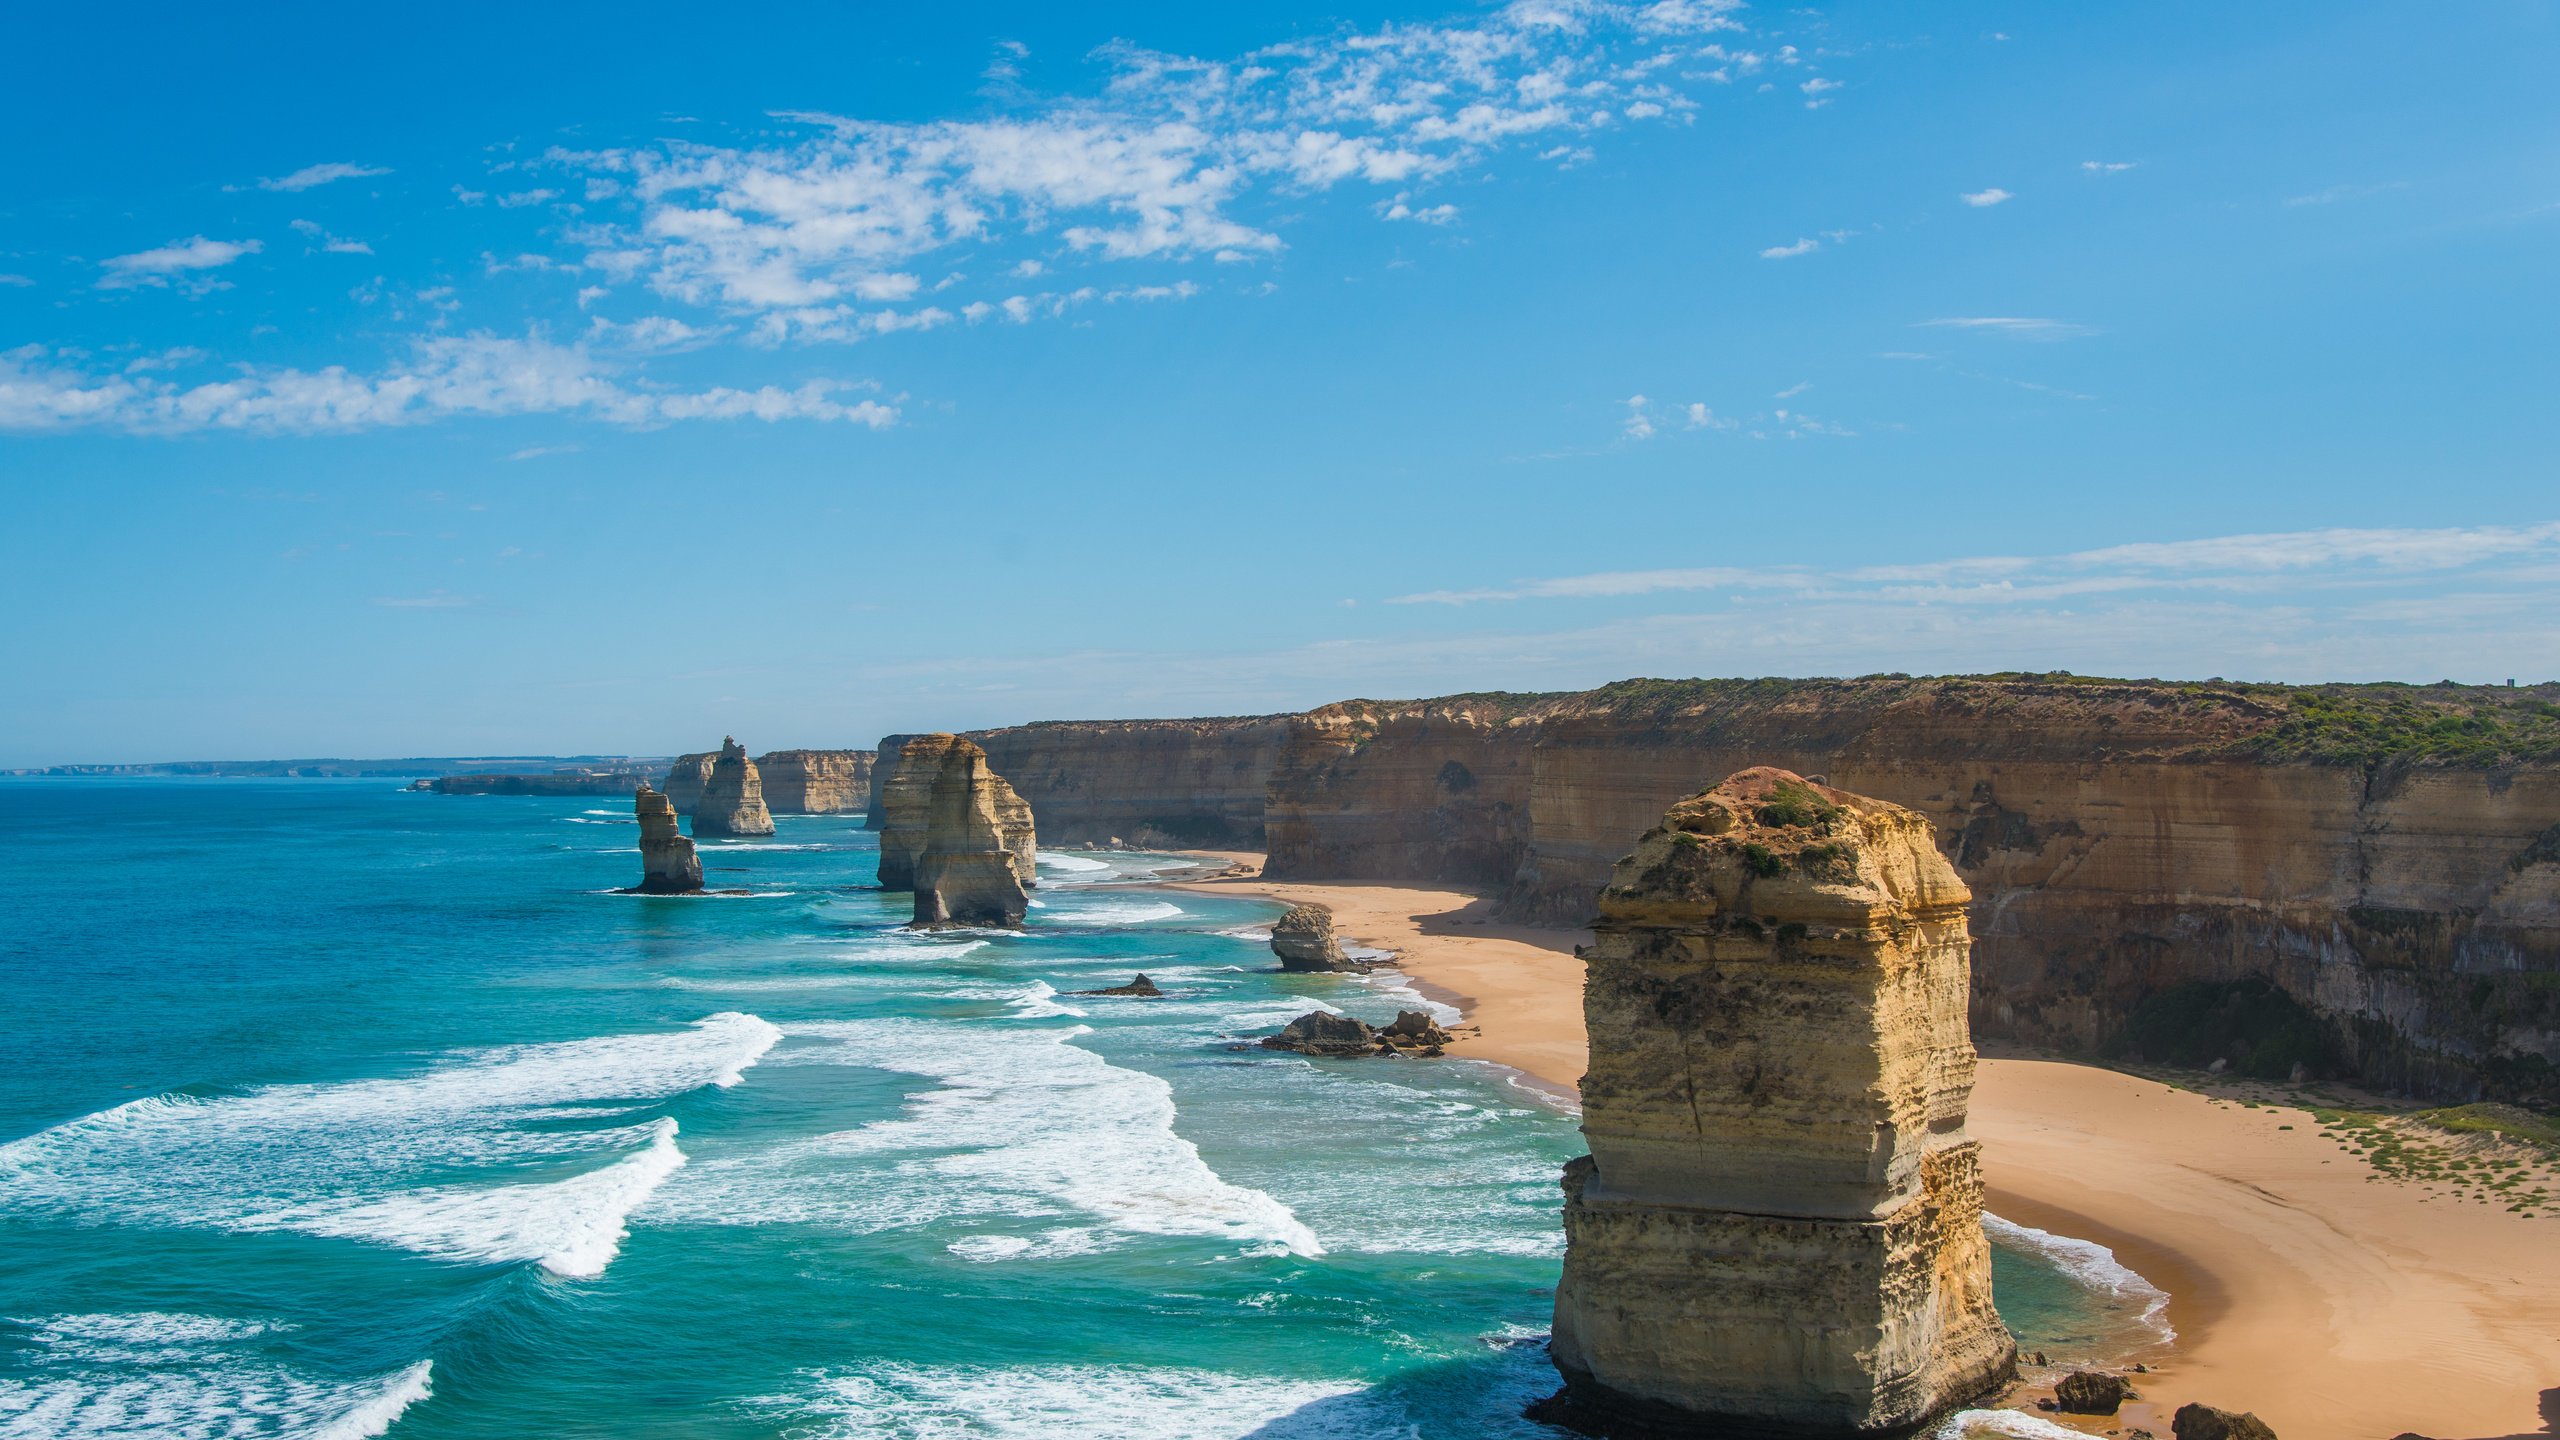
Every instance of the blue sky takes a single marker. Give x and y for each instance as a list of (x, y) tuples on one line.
[(556, 379)]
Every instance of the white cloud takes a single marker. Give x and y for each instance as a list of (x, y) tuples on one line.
[(1161, 163), (2023, 327), (1703, 418), (1638, 424), (314, 175), (328, 242), (443, 376), (536, 452), (1984, 199), (1805, 245), (2336, 193), (2108, 167), (178, 258), (1794, 390), (7, 279)]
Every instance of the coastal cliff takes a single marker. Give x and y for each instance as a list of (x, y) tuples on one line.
[(668, 864), (2388, 856), (732, 800), (685, 776), (816, 782), (1778, 1230), (919, 781)]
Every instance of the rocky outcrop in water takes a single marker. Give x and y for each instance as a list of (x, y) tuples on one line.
[(1778, 1230), (732, 800), (1304, 940), (1141, 988), (906, 807), (2204, 1422), (816, 782), (1321, 1032), (668, 865), (2091, 1392)]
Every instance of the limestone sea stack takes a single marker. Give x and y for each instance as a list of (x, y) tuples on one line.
[(906, 806), (1304, 940), (732, 800), (967, 873), (668, 865), (1778, 1231)]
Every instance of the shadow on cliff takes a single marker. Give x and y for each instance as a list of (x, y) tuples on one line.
[(1476, 1398)]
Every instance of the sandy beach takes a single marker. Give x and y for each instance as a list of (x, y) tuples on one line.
[(2334, 1302)]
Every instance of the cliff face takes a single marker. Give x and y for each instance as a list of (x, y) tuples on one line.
[(1149, 783), (816, 782), (1779, 1227), (732, 800), (2120, 839), (972, 855), (668, 865), (685, 778), (921, 772)]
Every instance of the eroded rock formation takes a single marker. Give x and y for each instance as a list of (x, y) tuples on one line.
[(968, 873), (906, 807), (1778, 1230), (685, 777), (1321, 1032), (1304, 940), (816, 782), (1141, 988), (668, 865), (732, 800)]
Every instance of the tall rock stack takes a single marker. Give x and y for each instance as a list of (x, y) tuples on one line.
[(668, 865), (732, 800), (1778, 1231), (969, 872), (906, 807)]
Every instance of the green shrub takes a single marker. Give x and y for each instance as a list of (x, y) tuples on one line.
[(1760, 860), (1829, 862), (1792, 804)]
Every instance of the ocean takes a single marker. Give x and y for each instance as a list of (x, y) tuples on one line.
[(329, 1109)]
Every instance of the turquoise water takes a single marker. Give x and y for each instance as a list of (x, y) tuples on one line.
[(331, 1108)]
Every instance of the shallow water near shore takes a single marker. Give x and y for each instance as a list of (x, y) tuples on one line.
[(329, 1109)]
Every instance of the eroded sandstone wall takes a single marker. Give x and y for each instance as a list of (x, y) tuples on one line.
[(923, 771), (1146, 783), (685, 777), (732, 801), (1778, 1229), (816, 782)]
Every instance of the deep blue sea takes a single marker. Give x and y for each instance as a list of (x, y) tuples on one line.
[(332, 1109)]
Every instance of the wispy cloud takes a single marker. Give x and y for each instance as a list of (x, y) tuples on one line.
[(442, 376), (1805, 245), (312, 176), (1639, 422), (2335, 193), (2258, 563), (536, 452), (1985, 199), (2108, 167), (311, 230), (2023, 327), (179, 258), (1165, 162), (8, 279)]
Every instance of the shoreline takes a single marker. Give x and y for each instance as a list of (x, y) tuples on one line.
[(2330, 1300)]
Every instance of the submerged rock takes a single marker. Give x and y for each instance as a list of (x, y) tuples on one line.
[(1141, 988), (906, 807), (732, 800), (2204, 1422), (2092, 1392), (668, 865), (1778, 1230), (1304, 940)]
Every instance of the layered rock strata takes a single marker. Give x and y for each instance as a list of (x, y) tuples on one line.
[(1778, 1231), (1304, 940), (967, 871), (732, 800), (668, 865), (906, 807), (816, 782), (685, 778)]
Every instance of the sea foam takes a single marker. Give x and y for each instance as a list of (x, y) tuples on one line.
[(1100, 1402), (2090, 1264), (1021, 1123), (181, 1377), (345, 1160)]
